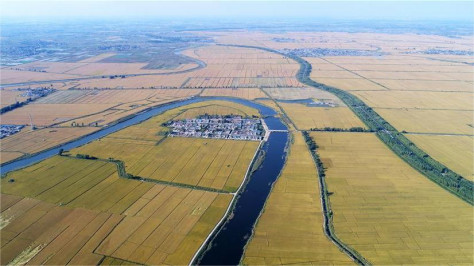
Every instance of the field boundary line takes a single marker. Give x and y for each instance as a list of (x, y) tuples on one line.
[(328, 226)]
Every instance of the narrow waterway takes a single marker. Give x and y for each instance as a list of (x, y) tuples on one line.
[(140, 117), (226, 245)]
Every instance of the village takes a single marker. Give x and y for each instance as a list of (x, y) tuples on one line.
[(219, 127), (8, 130)]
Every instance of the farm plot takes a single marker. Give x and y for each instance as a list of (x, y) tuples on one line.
[(213, 163), (41, 233), (429, 121), (101, 214), (245, 93), (137, 82), (30, 141), (114, 96), (18, 76), (290, 228), (9, 97), (241, 67), (417, 99), (165, 226), (303, 93), (220, 164), (306, 117), (386, 210), (456, 152), (48, 114)]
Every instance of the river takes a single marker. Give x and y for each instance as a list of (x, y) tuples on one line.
[(226, 245)]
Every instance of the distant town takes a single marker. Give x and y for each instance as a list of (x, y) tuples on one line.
[(8, 130), (218, 127)]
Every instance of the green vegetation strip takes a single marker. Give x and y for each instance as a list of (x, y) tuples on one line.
[(123, 174), (327, 212), (396, 141)]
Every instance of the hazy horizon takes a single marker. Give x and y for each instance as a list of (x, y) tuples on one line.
[(232, 10)]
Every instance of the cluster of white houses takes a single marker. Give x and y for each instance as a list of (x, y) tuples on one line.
[(8, 130), (218, 127)]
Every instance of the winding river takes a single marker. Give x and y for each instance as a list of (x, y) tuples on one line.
[(226, 245)]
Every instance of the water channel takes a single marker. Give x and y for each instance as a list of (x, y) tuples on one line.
[(226, 245)]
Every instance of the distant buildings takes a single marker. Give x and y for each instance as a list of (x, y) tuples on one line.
[(7, 130), (218, 127)]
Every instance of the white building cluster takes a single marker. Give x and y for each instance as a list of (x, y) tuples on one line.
[(218, 127)]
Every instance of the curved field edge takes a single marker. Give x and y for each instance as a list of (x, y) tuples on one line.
[(396, 141)]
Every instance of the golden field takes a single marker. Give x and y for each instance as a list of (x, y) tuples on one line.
[(290, 228), (456, 152), (245, 93), (417, 99), (214, 163), (78, 210), (29, 141), (88, 109), (303, 93), (66, 210), (429, 121), (9, 97), (306, 117), (219, 164), (48, 114), (386, 210)]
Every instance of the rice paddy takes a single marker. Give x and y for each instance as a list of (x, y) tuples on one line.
[(387, 211)]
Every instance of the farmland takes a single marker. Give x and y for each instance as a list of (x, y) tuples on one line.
[(120, 218), (373, 187), (30, 141), (290, 228), (66, 115), (245, 93), (303, 93), (397, 193), (106, 215), (307, 117), (456, 152), (219, 164)]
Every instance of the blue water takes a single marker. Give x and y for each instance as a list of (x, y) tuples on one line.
[(226, 247)]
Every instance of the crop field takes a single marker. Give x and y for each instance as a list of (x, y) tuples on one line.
[(290, 229), (48, 114), (101, 214), (165, 226), (386, 210), (306, 117), (30, 141), (456, 152), (219, 164), (213, 163), (113, 96), (97, 69), (19, 76), (241, 67), (10, 97), (417, 99), (303, 93), (429, 121), (245, 93), (140, 82), (44, 233)]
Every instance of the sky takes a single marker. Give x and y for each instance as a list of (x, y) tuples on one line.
[(347, 10)]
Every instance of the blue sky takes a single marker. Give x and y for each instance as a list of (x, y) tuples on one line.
[(399, 10)]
